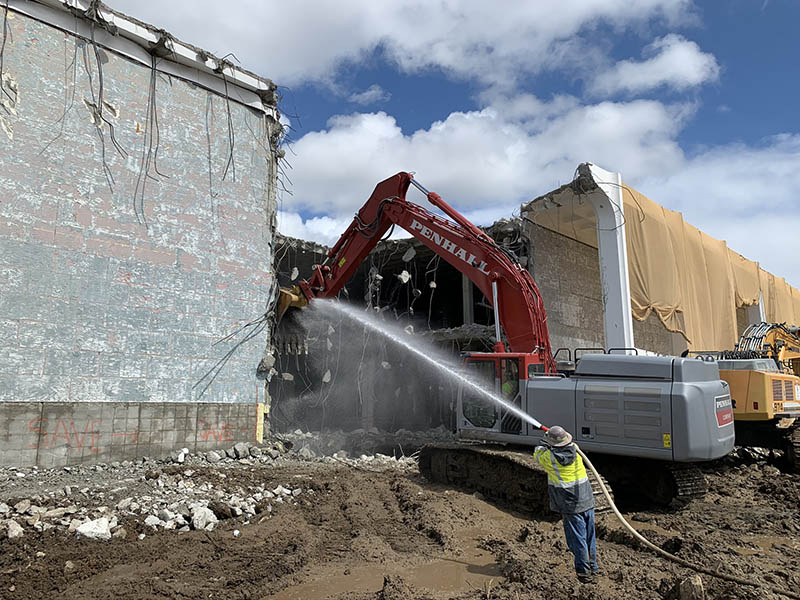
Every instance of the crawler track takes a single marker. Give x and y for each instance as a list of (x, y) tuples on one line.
[(510, 477), (793, 449)]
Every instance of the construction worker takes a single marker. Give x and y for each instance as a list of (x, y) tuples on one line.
[(508, 387), (571, 495)]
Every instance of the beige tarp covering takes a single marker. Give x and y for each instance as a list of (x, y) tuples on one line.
[(690, 280)]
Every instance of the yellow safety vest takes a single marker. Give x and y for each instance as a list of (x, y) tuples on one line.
[(568, 485), (561, 475)]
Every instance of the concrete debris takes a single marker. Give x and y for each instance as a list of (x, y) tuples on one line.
[(287, 376), (99, 529), (691, 588), (204, 519), (404, 276), (241, 450), (152, 521), (114, 501), (326, 378), (409, 254), (295, 273), (432, 285), (13, 529)]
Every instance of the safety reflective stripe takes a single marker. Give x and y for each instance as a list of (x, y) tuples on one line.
[(575, 473)]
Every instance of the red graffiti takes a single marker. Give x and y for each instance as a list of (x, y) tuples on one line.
[(222, 432), (66, 430)]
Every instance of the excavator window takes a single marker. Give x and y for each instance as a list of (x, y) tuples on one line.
[(477, 409), (509, 368)]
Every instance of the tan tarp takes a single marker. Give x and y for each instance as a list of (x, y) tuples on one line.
[(692, 281), (745, 275)]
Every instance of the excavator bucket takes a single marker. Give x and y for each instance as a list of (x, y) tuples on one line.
[(290, 298), (290, 334)]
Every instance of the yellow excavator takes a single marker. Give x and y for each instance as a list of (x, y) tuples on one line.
[(763, 373)]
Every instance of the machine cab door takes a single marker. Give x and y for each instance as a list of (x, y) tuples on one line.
[(500, 375)]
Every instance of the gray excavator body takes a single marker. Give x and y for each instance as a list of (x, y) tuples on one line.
[(646, 421), (658, 407)]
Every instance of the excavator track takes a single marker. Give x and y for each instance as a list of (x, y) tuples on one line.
[(509, 477), (793, 449), (685, 482)]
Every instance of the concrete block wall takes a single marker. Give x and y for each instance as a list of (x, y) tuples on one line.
[(51, 434), (568, 275), (117, 280)]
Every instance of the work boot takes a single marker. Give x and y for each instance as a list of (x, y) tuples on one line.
[(587, 578)]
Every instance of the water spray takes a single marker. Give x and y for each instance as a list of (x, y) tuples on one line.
[(440, 362)]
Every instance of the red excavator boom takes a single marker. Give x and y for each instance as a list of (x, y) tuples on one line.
[(496, 272)]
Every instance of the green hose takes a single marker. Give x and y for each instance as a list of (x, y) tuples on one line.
[(672, 557)]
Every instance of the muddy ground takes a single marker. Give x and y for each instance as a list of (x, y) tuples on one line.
[(359, 532)]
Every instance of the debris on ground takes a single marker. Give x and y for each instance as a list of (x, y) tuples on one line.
[(348, 524)]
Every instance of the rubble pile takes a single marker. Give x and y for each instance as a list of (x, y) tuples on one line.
[(182, 492), (361, 441)]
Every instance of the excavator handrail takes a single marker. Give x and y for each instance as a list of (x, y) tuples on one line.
[(459, 242)]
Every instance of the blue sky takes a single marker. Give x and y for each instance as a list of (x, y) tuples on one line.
[(492, 104)]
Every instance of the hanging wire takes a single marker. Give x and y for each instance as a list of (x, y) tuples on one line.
[(150, 146), (255, 328), (2, 52), (69, 99)]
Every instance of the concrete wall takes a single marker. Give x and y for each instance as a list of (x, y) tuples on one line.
[(568, 275), (109, 292)]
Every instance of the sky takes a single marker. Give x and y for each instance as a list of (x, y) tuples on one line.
[(492, 104)]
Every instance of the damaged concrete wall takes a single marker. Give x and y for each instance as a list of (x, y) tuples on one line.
[(128, 244)]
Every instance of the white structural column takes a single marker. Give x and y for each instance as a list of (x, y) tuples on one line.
[(613, 255), (755, 313)]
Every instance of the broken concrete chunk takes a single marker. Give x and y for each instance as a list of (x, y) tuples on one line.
[(203, 519), (22, 506), (306, 452), (213, 457), (691, 588), (287, 376), (326, 378), (13, 529), (295, 273), (4, 509), (432, 285), (404, 276), (98, 529), (152, 521), (241, 450)]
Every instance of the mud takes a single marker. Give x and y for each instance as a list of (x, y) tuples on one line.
[(363, 535)]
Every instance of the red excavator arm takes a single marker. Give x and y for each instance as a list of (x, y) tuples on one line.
[(494, 270)]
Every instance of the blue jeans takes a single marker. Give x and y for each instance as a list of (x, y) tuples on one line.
[(579, 531)]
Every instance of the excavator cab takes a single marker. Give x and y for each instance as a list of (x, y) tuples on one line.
[(505, 373)]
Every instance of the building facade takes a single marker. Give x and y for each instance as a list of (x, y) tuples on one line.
[(137, 206)]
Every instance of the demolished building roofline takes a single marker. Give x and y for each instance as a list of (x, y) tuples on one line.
[(139, 41)]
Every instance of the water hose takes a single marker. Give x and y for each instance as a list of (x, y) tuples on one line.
[(672, 557)]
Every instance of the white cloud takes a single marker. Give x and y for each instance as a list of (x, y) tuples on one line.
[(495, 42), (479, 158), (371, 95), (674, 62), (323, 230), (486, 164)]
